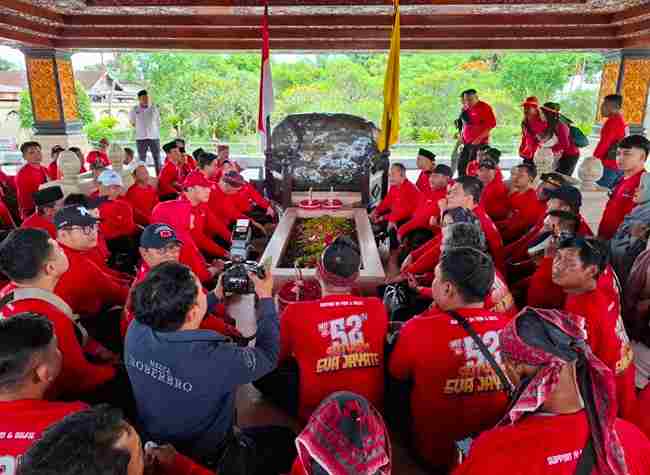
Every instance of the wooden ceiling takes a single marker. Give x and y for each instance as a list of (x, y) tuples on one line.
[(326, 25)]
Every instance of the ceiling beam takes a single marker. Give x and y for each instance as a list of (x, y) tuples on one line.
[(14, 20), (637, 42), (32, 10), (302, 3), (632, 28), (632, 13), (25, 38)]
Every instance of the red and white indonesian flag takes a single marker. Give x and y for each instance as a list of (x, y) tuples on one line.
[(266, 82)]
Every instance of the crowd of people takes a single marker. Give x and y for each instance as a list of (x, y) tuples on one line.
[(510, 339)]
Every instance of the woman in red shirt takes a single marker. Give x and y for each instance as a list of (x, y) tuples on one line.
[(531, 127), (565, 148)]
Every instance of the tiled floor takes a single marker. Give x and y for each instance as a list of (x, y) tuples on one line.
[(253, 410)]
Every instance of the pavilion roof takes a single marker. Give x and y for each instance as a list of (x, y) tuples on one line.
[(326, 25)]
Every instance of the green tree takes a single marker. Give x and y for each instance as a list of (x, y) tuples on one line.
[(103, 128), (83, 104), (6, 65)]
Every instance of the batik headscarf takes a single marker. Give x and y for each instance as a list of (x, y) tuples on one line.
[(549, 340), (345, 436)]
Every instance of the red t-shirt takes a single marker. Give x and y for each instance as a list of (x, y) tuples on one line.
[(548, 445), (78, 375), (492, 236), (481, 118), (37, 221), (609, 341), (248, 197), (224, 206), (423, 184), (338, 343), (400, 203), (169, 180), (525, 211), (455, 392), (28, 180), (614, 130), (143, 199), (495, 199), (22, 423), (565, 145), (427, 209), (86, 288), (529, 140), (199, 232), (98, 155), (618, 206), (116, 219)]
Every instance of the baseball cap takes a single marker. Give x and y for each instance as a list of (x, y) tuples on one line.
[(196, 178), (554, 178), (234, 179), (110, 178), (443, 169), (158, 236), (47, 196), (74, 216), (567, 193), (635, 141), (531, 101), (427, 154), (488, 163)]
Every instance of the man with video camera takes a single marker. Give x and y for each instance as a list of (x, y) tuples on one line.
[(185, 379)]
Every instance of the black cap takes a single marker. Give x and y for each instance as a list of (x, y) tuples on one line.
[(567, 193), (74, 216), (554, 178), (342, 257), (635, 141), (46, 196), (488, 163), (169, 146), (443, 170), (141, 93), (197, 153), (158, 236), (427, 154), (494, 154)]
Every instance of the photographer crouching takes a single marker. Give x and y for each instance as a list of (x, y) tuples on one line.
[(185, 379)]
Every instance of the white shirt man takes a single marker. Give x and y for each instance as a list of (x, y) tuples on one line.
[(146, 120)]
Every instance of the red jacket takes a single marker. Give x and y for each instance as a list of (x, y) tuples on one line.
[(426, 257), (28, 179), (613, 131), (6, 219), (215, 225), (338, 343), (423, 184), (427, 209), (97, 155), (609, 341), (481, 118), (22, 423), (116, 219), (525, 211), (224, 206), (565, 145), (618, 206), (495, 199), (548, 445), (455, 392), (493, 238), (143, 199), (400, 203), (86, 288), (199, 232), (529, 141), (169, 180), (78, 375), (37, 221), (177, 214), (248, 197)]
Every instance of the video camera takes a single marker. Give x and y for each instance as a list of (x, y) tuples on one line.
[(235, 276)]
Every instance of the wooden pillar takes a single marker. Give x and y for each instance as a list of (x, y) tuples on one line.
[(54, 101), (627, 72)]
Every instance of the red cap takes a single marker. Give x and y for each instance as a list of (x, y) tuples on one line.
[(196, 178), (531, 101)]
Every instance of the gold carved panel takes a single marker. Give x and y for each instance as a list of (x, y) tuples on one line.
[(636, 80), (66, 82), (42, 83), (608, 83)]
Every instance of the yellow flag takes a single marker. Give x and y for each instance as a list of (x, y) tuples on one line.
[(390, 120)]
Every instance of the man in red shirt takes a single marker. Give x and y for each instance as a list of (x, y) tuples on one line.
[(478, 120), (455, 392), (171, 176), (31, 362), (53, 167), (562, 421), (632, 155), (35, 263), (189, 164), (525, 209), (337, 342), (399, 205), (612, 132), (48, 201), (84, 286), (102, 439), (426, 163), (30, 177), (577, 267), (494, 198), (99, 154), (142, 195)]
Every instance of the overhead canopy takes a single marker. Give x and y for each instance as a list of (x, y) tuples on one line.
[(326, 25)]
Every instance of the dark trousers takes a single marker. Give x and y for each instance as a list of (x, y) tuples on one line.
[(467, 155), (566, 165), (281, 387), (154, 147)]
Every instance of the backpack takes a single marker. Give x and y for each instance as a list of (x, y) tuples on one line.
[(577, 136)]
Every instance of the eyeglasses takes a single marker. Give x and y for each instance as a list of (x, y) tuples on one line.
[(87, 230)]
